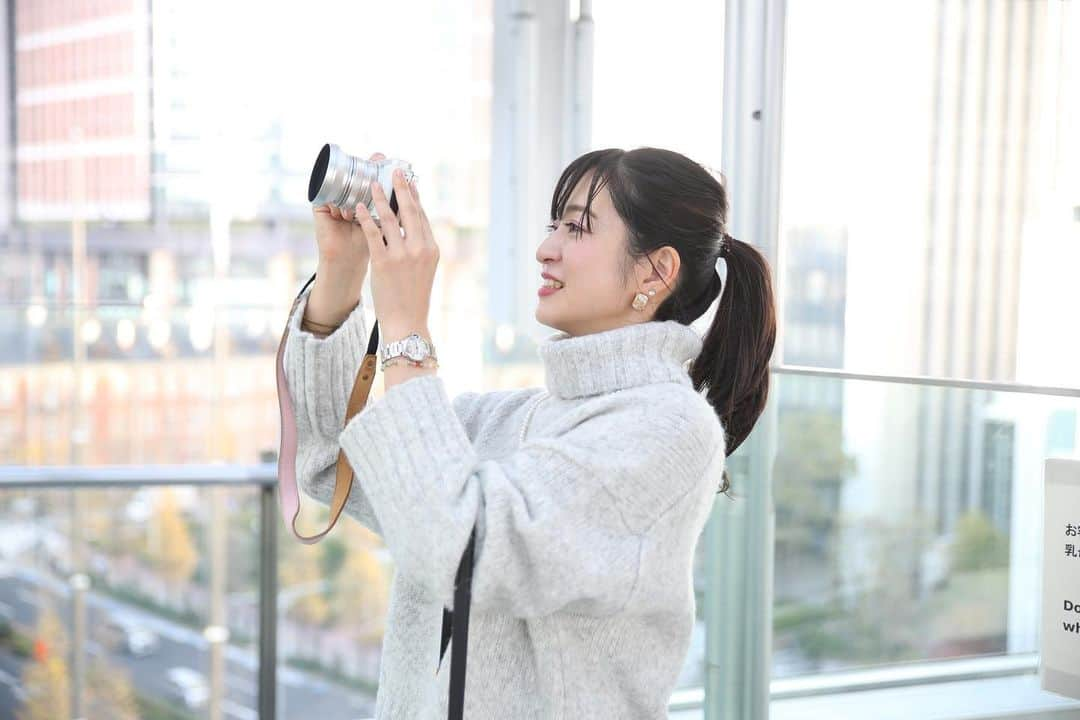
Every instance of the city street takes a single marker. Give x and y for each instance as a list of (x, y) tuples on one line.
[(178, 646)]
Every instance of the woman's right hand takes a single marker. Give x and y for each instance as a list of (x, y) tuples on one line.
[(343, 263)]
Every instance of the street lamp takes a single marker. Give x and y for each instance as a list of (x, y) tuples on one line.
[(79, 298)]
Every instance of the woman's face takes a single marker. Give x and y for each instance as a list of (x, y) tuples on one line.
[(595, 296)]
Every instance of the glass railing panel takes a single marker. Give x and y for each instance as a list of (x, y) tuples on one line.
[(908, 520)]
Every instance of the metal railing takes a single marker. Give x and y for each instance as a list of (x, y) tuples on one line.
[(957, 383), (262, 476)]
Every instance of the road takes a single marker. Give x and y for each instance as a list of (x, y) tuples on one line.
[(178, 646)]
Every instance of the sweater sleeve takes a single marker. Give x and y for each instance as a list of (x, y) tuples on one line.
[(320, 373), (559, 522)]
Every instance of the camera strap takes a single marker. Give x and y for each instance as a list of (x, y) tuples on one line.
[(454, 624), (288, 491)]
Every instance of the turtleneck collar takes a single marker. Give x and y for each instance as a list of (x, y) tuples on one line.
[(636, 354)]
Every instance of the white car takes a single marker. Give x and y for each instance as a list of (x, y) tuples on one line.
[(187, 685), (132, 636), (140, 641)]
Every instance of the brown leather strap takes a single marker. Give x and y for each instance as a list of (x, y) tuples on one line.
[(288, 492)]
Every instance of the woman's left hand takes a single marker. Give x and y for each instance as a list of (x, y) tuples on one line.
[(402, 268)]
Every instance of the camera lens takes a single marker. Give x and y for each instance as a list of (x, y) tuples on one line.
[(344, 180), (318, 173), (340, 179)]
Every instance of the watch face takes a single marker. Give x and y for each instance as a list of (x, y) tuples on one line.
[(413, 349)]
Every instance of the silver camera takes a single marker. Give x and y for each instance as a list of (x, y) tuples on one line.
[(345, 181)]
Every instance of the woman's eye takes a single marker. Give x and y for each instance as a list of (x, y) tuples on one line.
[(574, 227)]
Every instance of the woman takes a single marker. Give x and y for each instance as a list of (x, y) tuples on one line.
[(582, 590)]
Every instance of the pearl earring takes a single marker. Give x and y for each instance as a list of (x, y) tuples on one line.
[(640, 300)]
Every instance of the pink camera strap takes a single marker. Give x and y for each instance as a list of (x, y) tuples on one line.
[(287, 489)]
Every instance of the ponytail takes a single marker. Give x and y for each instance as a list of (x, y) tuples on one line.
[(666, 199), (736, 350)]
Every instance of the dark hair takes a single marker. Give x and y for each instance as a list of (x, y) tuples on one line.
[(665, 198)]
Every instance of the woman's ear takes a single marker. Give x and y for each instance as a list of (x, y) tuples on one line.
[(665, 265)]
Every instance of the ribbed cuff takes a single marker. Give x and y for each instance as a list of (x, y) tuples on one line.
[(327, 367)]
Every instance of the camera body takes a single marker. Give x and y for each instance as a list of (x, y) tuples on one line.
[(345, 181)]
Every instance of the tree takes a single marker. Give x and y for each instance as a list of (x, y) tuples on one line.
[(176, 557), (104, 525), (300, 568), (361, 586), (109, 692), (362, 594), (333, 556), (874, 617), (310, 607), (978, 545), (810, 468), (45, 677), (971, 608)]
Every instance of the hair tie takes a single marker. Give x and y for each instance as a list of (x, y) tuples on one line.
[(721, 264), (716, 286)]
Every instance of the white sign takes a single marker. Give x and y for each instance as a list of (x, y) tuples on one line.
[(1059, 662)]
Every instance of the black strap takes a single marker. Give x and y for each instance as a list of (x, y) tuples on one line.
[(459, 630), (447, 624)]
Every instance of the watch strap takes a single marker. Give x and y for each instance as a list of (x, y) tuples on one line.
[(396, 348)]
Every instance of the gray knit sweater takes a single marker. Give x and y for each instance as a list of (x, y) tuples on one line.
[(582, 591)]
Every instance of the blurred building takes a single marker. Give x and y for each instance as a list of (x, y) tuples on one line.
[(7, 132), (216, 138), (815, 278), (118, 130), (102, 140), (985, 70), (981, 177), (82, 100), (930, 456)]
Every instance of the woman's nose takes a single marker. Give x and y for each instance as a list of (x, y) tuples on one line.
[(547, 251)]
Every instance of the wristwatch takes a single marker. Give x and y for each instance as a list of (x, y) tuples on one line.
[(414, 348)]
